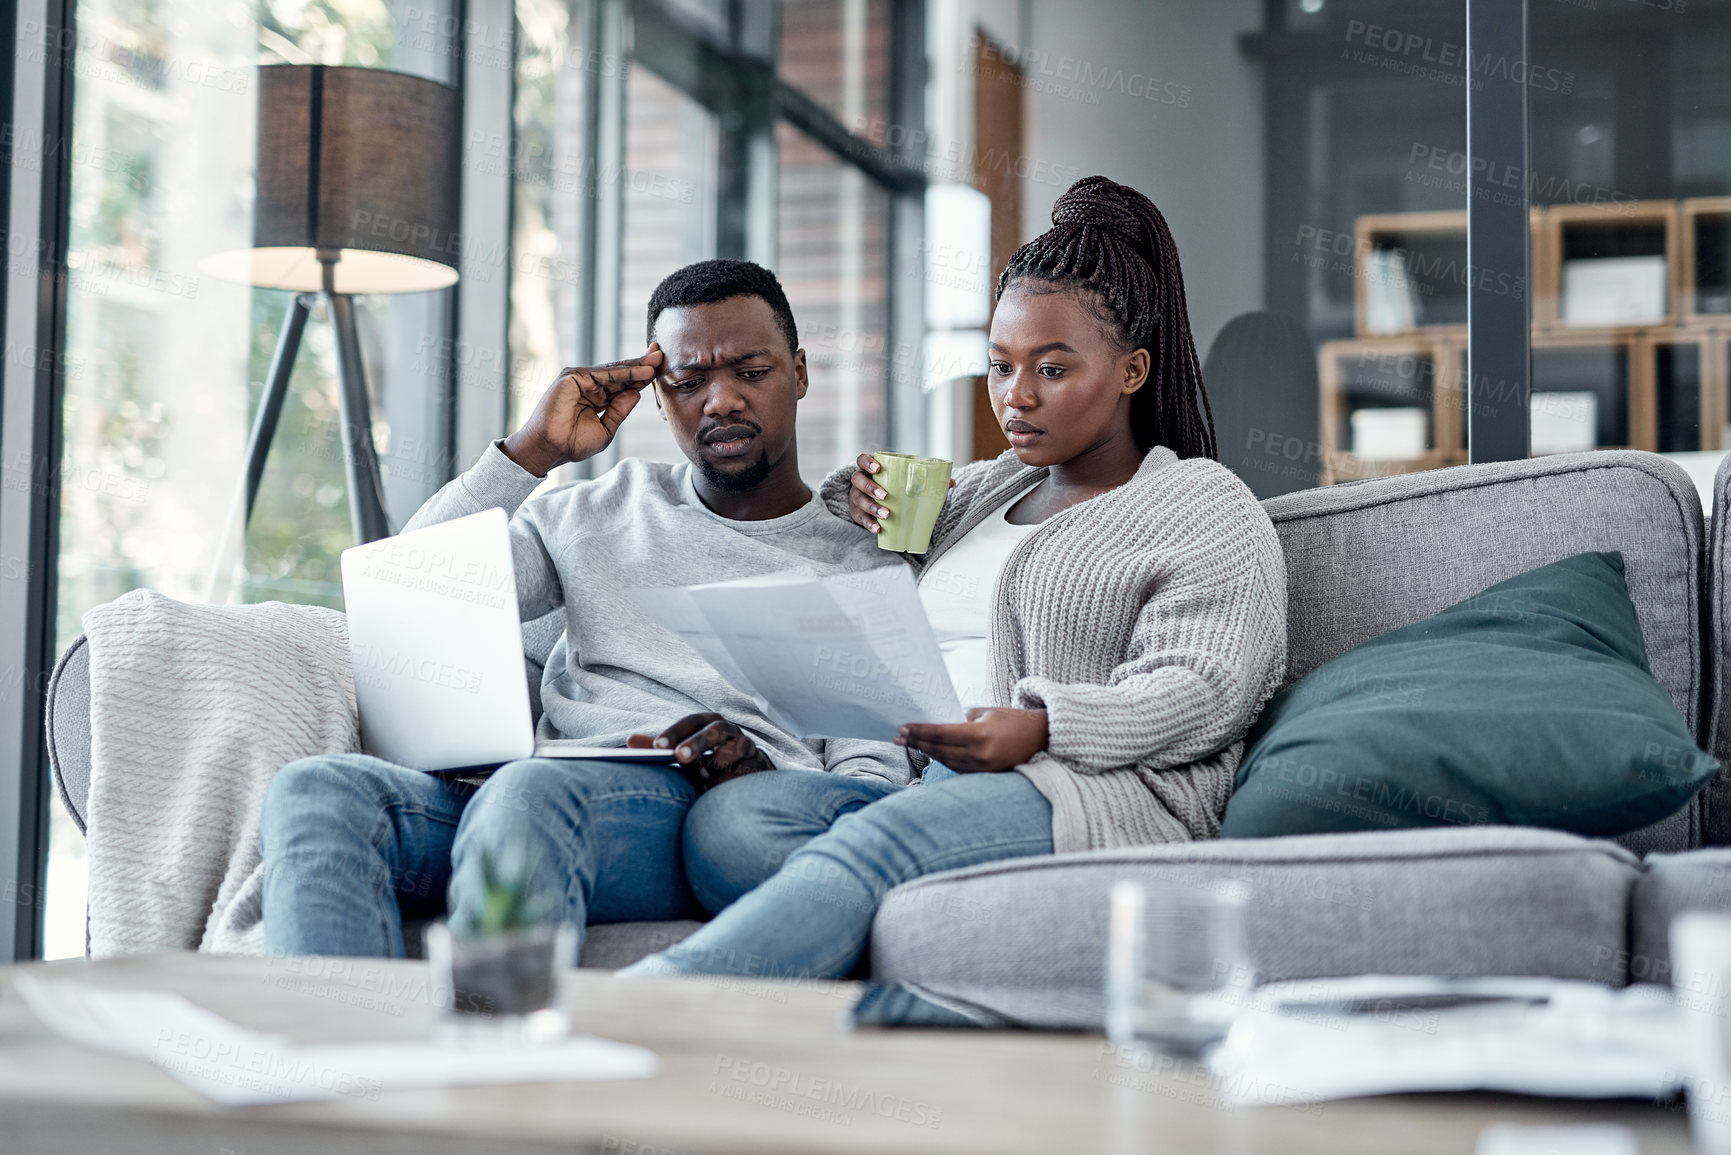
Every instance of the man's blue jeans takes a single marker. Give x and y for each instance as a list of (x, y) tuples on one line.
[(354, 844), (814, 917)]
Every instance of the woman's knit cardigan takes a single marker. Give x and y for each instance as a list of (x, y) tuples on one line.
[(1148, 622)]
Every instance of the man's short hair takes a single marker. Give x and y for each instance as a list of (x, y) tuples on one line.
[(709, 281)]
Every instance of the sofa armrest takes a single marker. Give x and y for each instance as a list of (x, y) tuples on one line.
[(68, 708), (68, 728)]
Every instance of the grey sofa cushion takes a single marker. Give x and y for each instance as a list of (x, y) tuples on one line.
[(1717, 796), (1026, 938), (1669, 885), (1367, 557), (611, 945)]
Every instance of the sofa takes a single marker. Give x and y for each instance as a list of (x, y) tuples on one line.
[(1026, 938)]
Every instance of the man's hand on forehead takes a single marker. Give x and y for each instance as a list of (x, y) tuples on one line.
[(577, 417)]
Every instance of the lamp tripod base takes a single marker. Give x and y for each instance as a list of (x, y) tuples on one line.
[(360, 459)]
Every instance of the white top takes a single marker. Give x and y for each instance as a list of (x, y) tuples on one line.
[(957, 591)]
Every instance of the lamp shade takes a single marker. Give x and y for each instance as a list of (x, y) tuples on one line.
[(358, 164)]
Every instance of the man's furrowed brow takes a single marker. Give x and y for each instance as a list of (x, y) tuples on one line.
[(722, 362)]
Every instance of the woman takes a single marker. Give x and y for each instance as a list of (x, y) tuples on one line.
[(1116, 594)]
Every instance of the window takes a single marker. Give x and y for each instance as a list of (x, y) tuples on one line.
[(549, 169), (832, 233), (669, 192), (166, 363), (696, 163), (837, 52), (1630, 123), (619, 169)]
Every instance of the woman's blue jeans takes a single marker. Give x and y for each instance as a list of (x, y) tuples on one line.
[(813, 918), (354, 844)]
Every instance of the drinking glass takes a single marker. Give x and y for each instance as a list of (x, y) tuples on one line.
[(502, 988), (1178, 970), (1701, 993)]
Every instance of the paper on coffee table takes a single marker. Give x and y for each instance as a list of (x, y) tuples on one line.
[(1304, 1041), (235, 1066), (845, 656)]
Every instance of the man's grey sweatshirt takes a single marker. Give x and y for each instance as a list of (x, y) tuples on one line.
[(615, 672)]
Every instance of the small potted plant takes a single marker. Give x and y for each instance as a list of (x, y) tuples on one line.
[(502, 969)]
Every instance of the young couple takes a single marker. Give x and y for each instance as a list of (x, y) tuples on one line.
[(1111, 602)]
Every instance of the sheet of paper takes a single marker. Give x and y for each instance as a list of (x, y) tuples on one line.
[(847, 656), (1311, 1040), (231, 1065)]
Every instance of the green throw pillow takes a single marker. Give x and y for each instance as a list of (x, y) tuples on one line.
[(1528, 704)]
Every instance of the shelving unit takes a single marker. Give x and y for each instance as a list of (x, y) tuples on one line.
[(1417, 376), (1705, 254), (1598, 232), (1660, 384), (1606, 365), (1687, 406)]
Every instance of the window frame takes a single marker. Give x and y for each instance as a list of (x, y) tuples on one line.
[(39, 105)]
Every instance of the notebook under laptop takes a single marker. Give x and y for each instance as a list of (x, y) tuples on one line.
[(437, 650)]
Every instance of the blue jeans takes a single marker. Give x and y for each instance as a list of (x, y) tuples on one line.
[(814, 917), (353, 844)]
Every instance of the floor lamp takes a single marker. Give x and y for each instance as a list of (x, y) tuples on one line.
[(356, 193)]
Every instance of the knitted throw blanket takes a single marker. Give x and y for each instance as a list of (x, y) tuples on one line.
[(193, 709)]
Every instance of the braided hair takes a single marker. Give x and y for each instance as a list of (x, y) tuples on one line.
[(1110, 241)]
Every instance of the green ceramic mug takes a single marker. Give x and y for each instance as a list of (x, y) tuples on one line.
[(917, 488)]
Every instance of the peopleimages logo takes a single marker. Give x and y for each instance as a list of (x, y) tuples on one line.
[(1449, 169), (1073, 77), (1425, 56)]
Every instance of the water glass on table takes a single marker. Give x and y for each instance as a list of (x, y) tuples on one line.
[(1178, 969)]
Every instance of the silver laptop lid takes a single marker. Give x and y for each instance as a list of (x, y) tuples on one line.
[(437, 646)]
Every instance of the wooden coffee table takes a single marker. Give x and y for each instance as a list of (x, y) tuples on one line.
[(747, 1066)]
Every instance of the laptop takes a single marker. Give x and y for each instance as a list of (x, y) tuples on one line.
[(437, 650)]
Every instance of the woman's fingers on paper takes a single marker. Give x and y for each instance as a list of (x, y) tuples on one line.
[(932, 736)]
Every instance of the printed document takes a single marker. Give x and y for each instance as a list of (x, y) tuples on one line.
[(846, 656)]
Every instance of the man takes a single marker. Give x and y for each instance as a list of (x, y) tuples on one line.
[(353, 844)]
